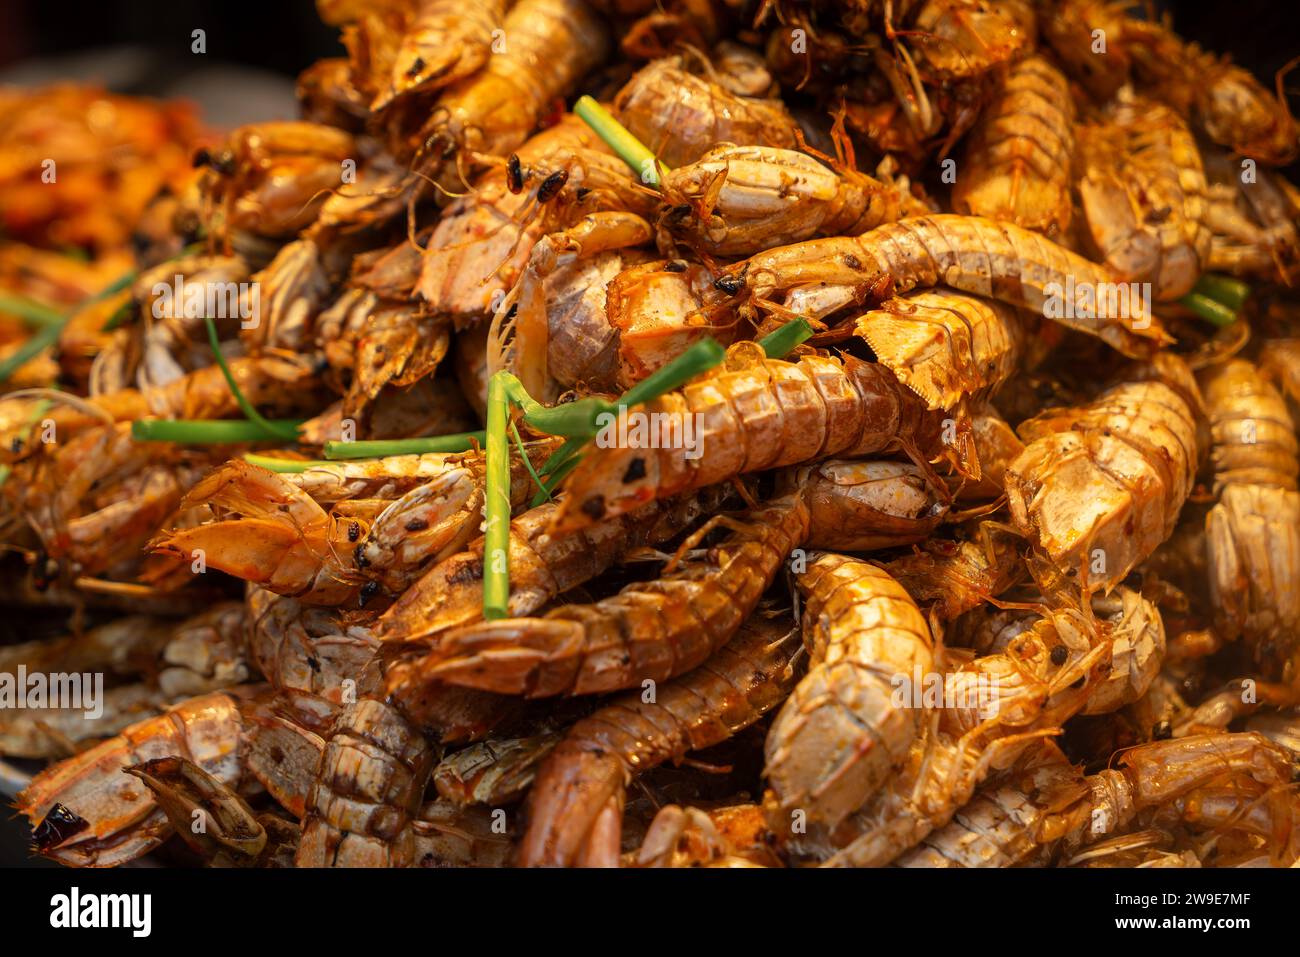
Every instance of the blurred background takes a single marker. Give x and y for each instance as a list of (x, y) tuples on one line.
[(256, 48)]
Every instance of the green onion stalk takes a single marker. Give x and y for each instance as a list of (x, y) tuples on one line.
[(1216, 299), (380, 448), (206, 431), (496, 530), (617, 137), (273, 464)]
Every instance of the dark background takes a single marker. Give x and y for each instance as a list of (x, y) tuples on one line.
[(255, 49), (282, 37)]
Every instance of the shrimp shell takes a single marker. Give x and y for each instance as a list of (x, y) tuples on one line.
[(753, 414), (1017, 165), (121, 821), (1099, 487), (443, 42), (840, 734), (1144, 196), (652, 631), (1252, 539), (946, 346), (542, 565), (969, 253), (754, 197), (681, 116), (493, 772), (368, 790), (550, 45), (587, 772), (1254, 438), (862, 506)]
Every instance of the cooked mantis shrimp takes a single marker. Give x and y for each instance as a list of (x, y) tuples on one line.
[(649, 632), (577, 807), (967, 253), (545, 565), (1143, 196), (1099, 487), (949, 515), (755, 413), (681, 116), (1017, 164), (841, 733), (443, 42), (738, 200), (362, 809), (1215, 782), (1253, 533)]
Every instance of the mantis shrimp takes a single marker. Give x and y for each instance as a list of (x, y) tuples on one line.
[(1217, 782), (1143, 196), (1017, 165), (840, 734), (443, 42), (755, 413), (575, 815), (1100, 486), (739, 200), (1253, 532), (652, 631), (967, 253)]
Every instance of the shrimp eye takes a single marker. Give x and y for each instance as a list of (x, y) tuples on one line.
[(417, 67), (514, 173), (1059, 654), (223, 162), (729, 284), (1162, 731), (552, 185), (675, 265), (202, 157), (57, 826), (367, 592)]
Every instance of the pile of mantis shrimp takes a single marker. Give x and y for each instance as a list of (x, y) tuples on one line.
[(989, 565)]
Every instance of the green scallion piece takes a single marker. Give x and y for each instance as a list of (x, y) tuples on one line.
[(778, 344), (700, 357), (30, 311), (555, 478), (284, 466), (207, 431), (616, 136), (496, 543), (271, 429), (1233, 293), (1211, 310), (528, 463), (381, 448)]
